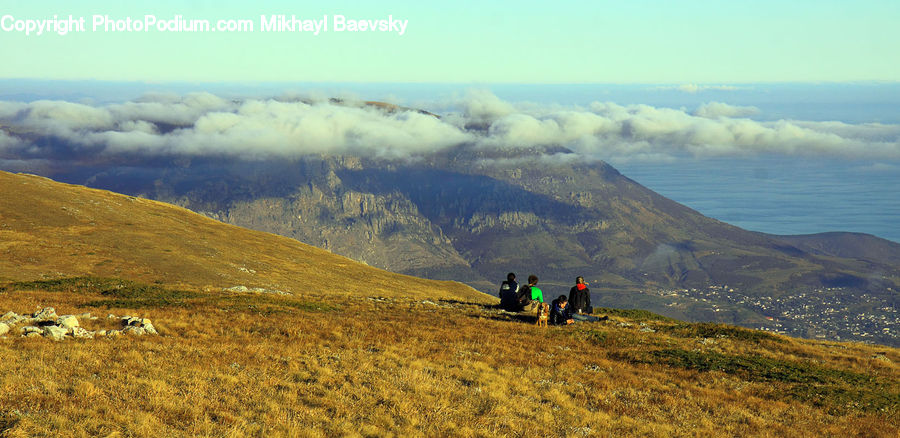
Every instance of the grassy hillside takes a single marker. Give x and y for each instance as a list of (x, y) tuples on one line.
[(355, 351), (49, 230), (258, 365)]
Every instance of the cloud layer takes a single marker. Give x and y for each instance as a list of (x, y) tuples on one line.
[(162, 125)]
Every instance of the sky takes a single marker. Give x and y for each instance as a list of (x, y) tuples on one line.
[(565, 41)]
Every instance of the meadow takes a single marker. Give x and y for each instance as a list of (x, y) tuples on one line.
[(239, 364)]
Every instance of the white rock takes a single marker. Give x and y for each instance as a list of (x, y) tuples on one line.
[(54, 332), (150, 330), (8, 316), (31, 329), (134, 330), (81, 333), (111, 316), (47, 313), (67, 321)]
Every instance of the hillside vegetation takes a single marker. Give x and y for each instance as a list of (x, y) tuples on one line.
[(50, 230), (229, 364), (330, 347)]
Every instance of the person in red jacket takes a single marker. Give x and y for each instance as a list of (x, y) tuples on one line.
[(580, 302), (580, 297)]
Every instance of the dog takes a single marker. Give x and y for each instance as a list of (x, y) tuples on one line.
[(543, 314)]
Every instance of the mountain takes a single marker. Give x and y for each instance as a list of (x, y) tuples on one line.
[(328, 346), (472, 215), (50, 230)]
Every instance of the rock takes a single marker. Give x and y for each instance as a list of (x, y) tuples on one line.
[(81, 333), (47, 313), (150, 329), (8, 315), (113, 333), (134, 330), (13, 319), (111, 316), (648, 330), (67, 321), (54, 332), (4, 329), (32, 335), (31, 329), (237, 289), (430, 303), (101, 333)]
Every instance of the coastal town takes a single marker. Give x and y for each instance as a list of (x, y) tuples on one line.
[(822, 313)]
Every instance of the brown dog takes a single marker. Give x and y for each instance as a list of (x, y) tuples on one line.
[(543, 314)]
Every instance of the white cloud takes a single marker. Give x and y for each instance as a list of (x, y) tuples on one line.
[(714, 110), (206, 125)]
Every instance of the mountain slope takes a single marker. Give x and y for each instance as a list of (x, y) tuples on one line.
[(49, 229), (473, 215)]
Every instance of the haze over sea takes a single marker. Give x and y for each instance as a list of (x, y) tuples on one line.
[(772, 193)]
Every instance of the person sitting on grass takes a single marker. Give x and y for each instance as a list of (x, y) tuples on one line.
[(580, 302), (529, 296), (508, 293), (580, 297), (560, 312)]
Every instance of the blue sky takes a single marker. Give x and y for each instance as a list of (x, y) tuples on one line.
[(478, 42)]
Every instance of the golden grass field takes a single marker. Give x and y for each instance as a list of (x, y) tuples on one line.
[(360, 352), (257, 365)]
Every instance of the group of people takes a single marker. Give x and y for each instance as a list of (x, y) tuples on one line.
[(563, 310)]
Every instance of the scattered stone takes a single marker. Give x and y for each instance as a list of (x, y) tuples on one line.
[(879, 356), (648, 330), (67, 321), (258, 290), (31, 329), (11, 318), (625, 324), (138, 326), (81, 333), (4, 329), (134, 330), (113, 333), (45, 314), (101, 333), (432, 303), (111, 316), (55, 333)]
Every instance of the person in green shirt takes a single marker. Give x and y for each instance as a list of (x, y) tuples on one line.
[(530, 295)]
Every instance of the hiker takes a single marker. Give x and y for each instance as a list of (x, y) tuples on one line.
[(580, 302), (508, 293), (529, 296), (560, 312), (580, 297)]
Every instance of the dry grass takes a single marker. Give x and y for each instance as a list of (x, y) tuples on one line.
[(50, 230), (239, 365), (329, 361)]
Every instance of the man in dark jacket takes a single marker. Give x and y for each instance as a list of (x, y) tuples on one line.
[(560, 312), (580, 297), (509, 293)]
